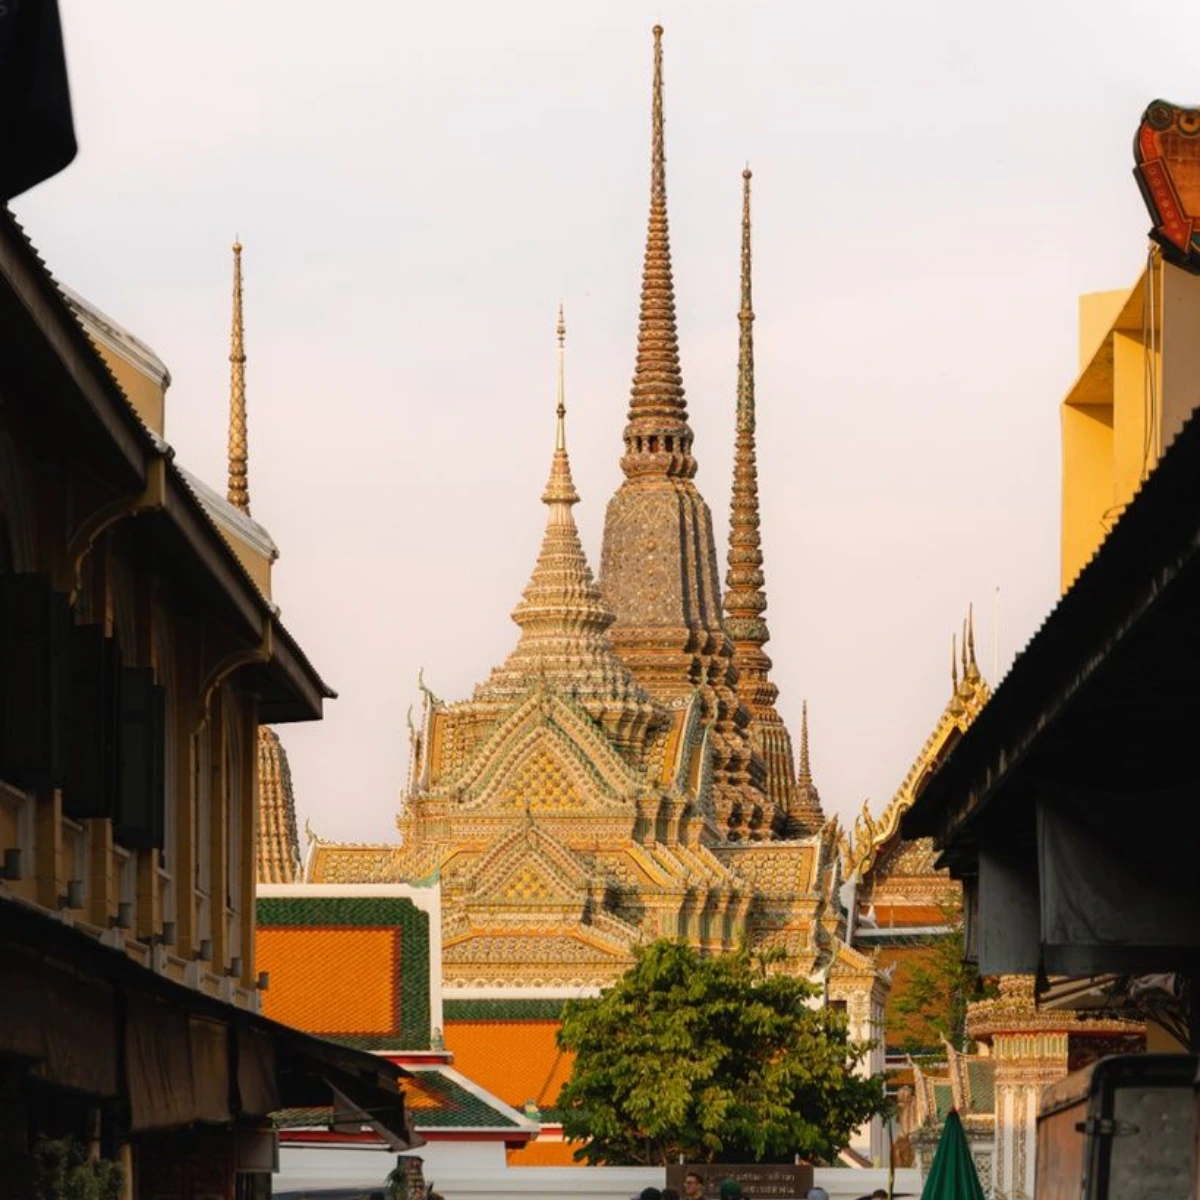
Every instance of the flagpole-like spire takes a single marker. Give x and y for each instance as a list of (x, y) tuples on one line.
[(238, 492), (560, 437), (745, 599), (658, 439), (560, 494)]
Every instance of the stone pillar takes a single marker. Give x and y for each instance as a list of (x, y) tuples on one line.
[(1030, 1051)]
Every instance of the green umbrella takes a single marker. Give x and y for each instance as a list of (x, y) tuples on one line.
[(952, 1176)]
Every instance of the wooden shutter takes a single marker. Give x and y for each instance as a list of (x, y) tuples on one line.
[(35, 628), (87, 792), (138, 820)]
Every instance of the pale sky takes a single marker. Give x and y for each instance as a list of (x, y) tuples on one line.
[(417, 186)]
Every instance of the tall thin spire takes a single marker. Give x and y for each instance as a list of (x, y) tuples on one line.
[(745, 599), (560, 493), (804, 775), (658, 439), (238, 492), (805, 814), (560, 440)]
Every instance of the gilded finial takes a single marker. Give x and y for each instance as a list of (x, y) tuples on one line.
[(560, 441), (963, 650), (238, 491), (973, 666), (560, 488), (954, 663)]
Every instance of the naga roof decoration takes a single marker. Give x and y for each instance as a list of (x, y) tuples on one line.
[(968, 695)]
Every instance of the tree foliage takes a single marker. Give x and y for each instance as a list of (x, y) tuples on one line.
[(717, 1059), (938, 989)]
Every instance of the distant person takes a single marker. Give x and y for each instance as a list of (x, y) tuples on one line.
[(817, 1193), (670, 1194), (693, 1186), (650, 1193), (730, 1189), (879, 1194)]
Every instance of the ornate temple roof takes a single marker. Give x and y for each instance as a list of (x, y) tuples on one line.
[(968, 695), (278, 848)]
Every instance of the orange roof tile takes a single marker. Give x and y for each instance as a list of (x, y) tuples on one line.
[(330, 981), (543, 1153), (515, 1060)]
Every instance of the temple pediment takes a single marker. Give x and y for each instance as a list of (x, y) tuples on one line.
[(528, 868), (547, 755)]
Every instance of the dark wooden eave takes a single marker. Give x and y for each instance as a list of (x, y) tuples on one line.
[(49, 347), (1104, 695)]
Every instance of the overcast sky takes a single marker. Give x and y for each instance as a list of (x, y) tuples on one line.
[(417, 186)]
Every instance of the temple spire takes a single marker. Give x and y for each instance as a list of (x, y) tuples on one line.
[(805, 815), (560, 493), (562, 616), (238, 492), (658, 439), (745, 599), (804, 776)]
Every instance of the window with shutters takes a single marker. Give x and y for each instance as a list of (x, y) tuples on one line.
[(169, 859), (202, 831), (232, 776)]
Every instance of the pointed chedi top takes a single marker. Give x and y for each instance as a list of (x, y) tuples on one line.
[(806, 815), (238, 491), (658, 439), (563, 619), (745, 599)]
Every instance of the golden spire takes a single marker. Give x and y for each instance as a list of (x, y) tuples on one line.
[(560, 493), (745, 599), (658, 440), (563, 617), (972, 671), (560, 441), (238, 492), (805, 774), (805, 815)]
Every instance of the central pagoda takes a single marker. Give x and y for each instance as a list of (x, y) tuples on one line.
[(658, 565)]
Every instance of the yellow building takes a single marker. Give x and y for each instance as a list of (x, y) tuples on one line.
[(139, 652), (1139, 362)]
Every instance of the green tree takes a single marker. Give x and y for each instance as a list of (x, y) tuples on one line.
[(938, 989), (717, 1059)]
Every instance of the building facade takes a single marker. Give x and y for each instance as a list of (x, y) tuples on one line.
[(139, 652)]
